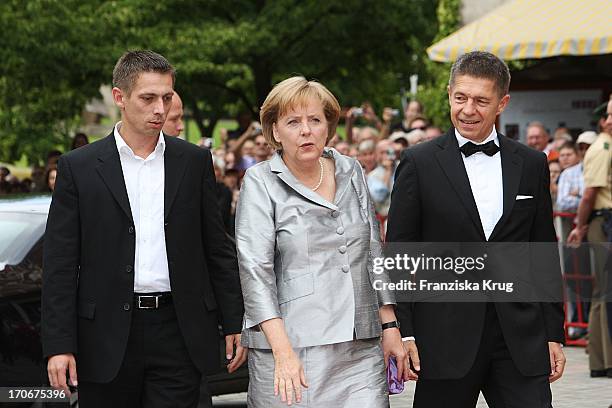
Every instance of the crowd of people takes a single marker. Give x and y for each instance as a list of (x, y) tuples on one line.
[(376, 142), (42, 178)]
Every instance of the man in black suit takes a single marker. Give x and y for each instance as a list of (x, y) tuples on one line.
[(138, 272), (475, 185)]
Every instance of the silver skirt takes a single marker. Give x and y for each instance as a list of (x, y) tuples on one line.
[(349, 374)]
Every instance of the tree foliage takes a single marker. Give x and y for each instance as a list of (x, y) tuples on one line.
[(52, 63), (228, 55), (433, 93)]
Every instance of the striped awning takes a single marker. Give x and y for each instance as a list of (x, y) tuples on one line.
[(522, 29)]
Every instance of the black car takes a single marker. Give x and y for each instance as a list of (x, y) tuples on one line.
[(22, 228)]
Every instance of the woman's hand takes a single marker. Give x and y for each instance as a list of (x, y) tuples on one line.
[(288, 376), (414, 363), (392, 346)]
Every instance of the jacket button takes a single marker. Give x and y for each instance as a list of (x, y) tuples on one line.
[(126, 307), (335, 214), (340, 230), (342, 249), (165, 225), (129, 269), (131, 229), (345, 268)]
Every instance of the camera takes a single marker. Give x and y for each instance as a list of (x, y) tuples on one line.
[(256, 130), (358, 112), (391, 153), (395, 112)]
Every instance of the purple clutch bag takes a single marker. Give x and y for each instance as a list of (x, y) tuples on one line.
[(396, 385)]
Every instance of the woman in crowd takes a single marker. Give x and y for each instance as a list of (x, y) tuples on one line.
[(51, 176), (306, 234), (80, 140)]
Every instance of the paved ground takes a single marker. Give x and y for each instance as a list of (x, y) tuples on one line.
[(575, 389)]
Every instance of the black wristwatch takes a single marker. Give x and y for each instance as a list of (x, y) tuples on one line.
[(390, 325)]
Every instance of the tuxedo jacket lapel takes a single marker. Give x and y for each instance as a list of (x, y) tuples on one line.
[(109, 168), (174, 168), (512, 165), (451, 162)]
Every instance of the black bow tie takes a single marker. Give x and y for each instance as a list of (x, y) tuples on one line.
[(489, 148)]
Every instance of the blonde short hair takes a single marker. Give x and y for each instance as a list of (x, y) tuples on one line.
[(290, 93)]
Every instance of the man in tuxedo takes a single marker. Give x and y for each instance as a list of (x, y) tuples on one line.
[(138, 272), (475, 185)]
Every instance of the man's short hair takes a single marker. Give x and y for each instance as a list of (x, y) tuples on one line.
[(537, 124), (366, 146), (133, 63), (53, 153), (569, 145), (482, 64), (418, 117)]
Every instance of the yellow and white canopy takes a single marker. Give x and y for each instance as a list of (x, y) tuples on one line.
[(522, 29)]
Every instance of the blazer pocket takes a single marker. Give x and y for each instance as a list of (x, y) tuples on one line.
[(526, 203), (295, 288), (295, 256), (86, 310)]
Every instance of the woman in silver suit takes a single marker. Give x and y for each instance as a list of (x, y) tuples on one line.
[(306, 234)]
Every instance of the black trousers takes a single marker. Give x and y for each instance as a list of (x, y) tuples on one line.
[(493, 373), (157, 371)]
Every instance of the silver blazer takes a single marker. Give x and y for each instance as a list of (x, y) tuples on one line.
[(306, 260)]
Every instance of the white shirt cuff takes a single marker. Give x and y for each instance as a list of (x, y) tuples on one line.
[(409, 338)]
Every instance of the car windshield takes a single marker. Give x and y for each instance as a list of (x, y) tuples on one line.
[(19, 231)]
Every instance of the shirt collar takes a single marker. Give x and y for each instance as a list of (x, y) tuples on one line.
[(123, 147), (492, 136)]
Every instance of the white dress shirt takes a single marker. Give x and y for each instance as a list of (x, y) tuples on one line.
[(485, 175), (144, 180)]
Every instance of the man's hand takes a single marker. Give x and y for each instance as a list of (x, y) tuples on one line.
[(350, 113), (57, 366), (235, 361), (392, 347), (413, 360), (369, 114), (223, 135), (557, 361), (387, 163), (575, 237), (387, 115)]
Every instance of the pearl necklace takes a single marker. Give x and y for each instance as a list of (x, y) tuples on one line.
[(315, 188)]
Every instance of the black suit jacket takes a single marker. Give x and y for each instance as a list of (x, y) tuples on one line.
[(88, 279), (432, 202)]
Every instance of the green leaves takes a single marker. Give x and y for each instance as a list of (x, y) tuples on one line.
[(51, 70), (228, 55)]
